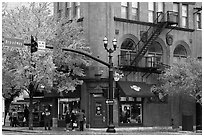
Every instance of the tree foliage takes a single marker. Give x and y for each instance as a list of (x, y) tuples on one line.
[(44, 67), (36, 19), (183, 77)]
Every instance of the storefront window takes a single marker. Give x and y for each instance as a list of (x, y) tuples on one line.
[(67, 104), (130, 110)]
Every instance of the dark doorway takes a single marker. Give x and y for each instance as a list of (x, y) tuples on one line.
[(198, 116), (98, 111)]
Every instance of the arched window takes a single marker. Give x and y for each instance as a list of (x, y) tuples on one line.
[(180, 53), (127, 51), (154, 56)]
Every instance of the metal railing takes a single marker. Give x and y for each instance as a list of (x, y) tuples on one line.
[(147, 61)]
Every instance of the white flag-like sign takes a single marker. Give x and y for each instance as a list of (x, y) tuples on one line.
[(41, 44), (134, 87)]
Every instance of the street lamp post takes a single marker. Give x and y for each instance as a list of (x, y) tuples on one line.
[(111, 127)]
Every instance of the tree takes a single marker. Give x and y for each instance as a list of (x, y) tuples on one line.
[(9, 87), (44, 67), (183, 77)]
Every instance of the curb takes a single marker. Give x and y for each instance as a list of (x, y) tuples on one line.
[(18, 130)]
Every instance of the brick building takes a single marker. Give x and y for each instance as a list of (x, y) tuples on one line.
[(150, 36)]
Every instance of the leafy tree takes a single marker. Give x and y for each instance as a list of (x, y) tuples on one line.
[(46, 68), (183, 77)]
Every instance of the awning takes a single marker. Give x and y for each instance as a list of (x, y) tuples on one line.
[(135, 89)]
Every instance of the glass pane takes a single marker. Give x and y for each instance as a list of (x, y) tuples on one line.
[(134, 13), (184, 10), (160, 6), (155, 48), (150, 16), (184, 22), (135, 4), (131, 113), (124, 12), (77, 3), (175, 7), (68, 4), (151, 6), (180, 51), (123, 3)]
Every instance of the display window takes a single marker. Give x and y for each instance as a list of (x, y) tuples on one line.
[(130, 110), (67, 104)]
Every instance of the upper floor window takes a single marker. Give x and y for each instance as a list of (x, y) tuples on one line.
[(135, 10), (127, 54), (155, 53), (151, 11), (124, 10), (184, 16), (68, 10), (59, 9), (160, 9), (180, 53), (77, 9), (176, 9), (198, 21)]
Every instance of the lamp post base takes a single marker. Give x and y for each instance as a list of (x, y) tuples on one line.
[(111, 129)]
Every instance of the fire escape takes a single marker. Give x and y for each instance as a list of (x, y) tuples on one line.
[(136, 60)]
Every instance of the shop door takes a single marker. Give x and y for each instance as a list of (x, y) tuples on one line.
[(98, 111)]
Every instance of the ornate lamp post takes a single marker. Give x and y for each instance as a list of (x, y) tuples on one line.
[(110, 97)]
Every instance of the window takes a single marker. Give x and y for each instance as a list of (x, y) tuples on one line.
[(198, 21), (160, 7), (77, 10), (68, 10), (59, 9), (130, 110), (176, 7), (124, 10), (184, 16), (127, 54), (135, 10), (154, 56), (160, 10), (176, 10), (180, 53), (151, 11)]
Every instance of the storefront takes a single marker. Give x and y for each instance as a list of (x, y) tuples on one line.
[(131, 102), (66, 100)]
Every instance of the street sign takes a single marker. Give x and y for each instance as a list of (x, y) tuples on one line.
[(13, 42), (41, 44), (110, 102)]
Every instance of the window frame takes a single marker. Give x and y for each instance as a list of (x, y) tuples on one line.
[(176, 10), (124, 6), (199, 22), (179, 57), (135, 16), (184, 15), (68, 9), (151, 11), (59, 9), (77, 10)]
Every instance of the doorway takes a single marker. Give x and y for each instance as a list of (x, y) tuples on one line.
[(98, 111)]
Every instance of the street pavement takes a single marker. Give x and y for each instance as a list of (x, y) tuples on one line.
[(6, 130)]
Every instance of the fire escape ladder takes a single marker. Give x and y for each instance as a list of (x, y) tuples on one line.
[(148, 38)]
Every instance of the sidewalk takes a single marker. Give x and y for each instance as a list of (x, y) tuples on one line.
[(119, 130)]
